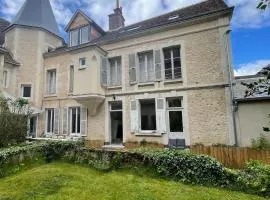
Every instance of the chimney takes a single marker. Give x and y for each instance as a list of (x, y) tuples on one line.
[(116, 20)]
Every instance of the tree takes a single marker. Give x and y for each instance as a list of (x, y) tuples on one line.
[(263, 4)]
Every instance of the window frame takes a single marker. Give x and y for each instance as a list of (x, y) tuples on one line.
[(80, 63), (22, 90), (51, 120), (174, 109), (117, 68), (140, 116), (70, 109), (48, 88), (144, 54), (172, 58), (79, 38)]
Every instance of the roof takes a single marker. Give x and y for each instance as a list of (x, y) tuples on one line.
[(252, 99), (248, 77), (87, 18), (3, 25), (8, 56), (37, 13), (174, 17), (193, 12)]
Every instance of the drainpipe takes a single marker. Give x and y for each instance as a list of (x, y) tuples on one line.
[(229, 72)]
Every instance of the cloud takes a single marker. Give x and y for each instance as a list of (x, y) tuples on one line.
[(246, 15), (250, 68)]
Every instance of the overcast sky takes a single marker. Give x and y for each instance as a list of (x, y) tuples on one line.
[(251, 27)]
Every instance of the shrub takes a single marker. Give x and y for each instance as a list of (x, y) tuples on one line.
[(14, 115), (187, 167), (261, 143), (255, 178)]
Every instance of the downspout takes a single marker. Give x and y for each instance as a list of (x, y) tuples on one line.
[(229, 72)]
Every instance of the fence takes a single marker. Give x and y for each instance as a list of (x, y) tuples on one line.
[(233, 157)]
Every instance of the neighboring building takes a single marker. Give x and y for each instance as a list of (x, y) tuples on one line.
[(164, 80), (251, 113)]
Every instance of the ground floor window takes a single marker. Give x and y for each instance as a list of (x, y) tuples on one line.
[(50, 120), (148, 115), (75, 120), (175, 112)]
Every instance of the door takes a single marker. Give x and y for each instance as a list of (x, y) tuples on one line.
[(175, 123), (33, 127), (116, 122)]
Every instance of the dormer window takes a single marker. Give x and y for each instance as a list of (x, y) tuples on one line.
[(79, 36)]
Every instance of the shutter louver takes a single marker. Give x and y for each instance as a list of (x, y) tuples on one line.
[(83, 121), (104, 71), (161, 115), (56, 121), (134, 117), (132, 68), (158, 65)]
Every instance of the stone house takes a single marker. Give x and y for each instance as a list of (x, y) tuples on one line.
[(165, 80)]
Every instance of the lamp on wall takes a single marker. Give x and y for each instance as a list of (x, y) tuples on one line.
[(114, 97)]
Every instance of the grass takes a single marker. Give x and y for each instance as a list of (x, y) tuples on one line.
[(66, 181)]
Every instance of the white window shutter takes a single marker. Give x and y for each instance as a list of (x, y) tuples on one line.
[(83, 121), (158, 64), (56, 121), (134, 116), (104, 71), (132, 68), (65, 121), (161, 115)]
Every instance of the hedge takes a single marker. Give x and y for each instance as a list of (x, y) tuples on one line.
[(178, 165)]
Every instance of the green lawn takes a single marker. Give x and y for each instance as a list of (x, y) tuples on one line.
[(65, 181)]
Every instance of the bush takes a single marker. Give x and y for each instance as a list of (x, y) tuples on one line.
[(14, 116), (261, 143), (187, 167), (255, 178)]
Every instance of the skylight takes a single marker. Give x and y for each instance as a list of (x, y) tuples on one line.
[(173, 17), (131, 29)]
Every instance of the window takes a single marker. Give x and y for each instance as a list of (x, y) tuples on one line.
[(115, 77), (172, 63), (82, 62), (79, 36), (50, 120), (148, 115), (74, 37), (26, 91), (51, 81), (5, 79), (146, 66), (75, 120), (175, 111), (85, 35), (71, 78)]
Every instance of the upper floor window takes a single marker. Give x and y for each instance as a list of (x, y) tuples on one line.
[(172, 63), (51, 81), (5, 79), (26, 91), (146, 66), (115, 71), (82, 63), (79, 36)]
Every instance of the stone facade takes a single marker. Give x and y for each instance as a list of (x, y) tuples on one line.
[(203, 88)]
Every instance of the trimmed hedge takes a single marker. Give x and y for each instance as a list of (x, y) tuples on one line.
[(178, 165)]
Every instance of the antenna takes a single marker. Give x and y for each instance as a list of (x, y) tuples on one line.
[(117, 4)]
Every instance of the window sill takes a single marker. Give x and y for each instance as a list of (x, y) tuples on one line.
[(50, 95), (148, 134), (167, 82), (114, 87), (146, 84), (82, 68)]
